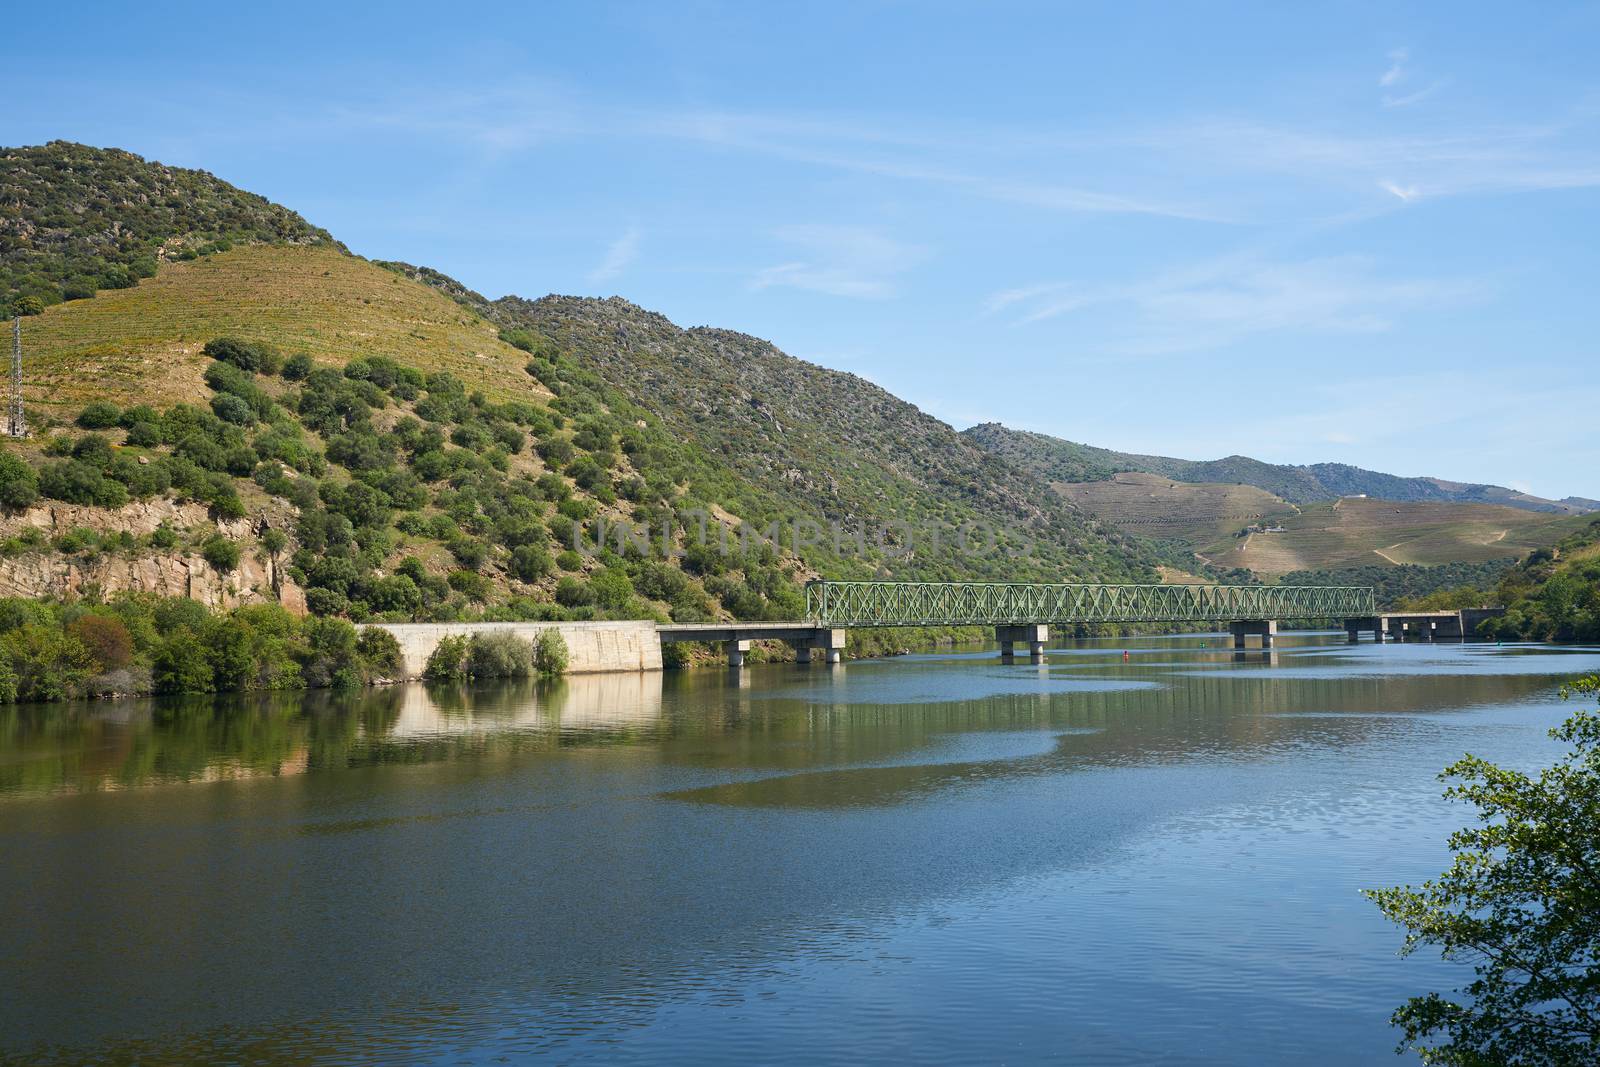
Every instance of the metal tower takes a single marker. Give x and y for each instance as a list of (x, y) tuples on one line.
[(19, 425)]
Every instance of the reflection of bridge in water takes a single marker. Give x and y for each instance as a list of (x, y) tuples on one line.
[(1023, 612)]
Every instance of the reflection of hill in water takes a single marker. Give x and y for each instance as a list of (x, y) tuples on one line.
[(549, 847), (107, 747), (777, 721)]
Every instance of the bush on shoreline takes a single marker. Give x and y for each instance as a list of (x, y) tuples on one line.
[(137, 644)]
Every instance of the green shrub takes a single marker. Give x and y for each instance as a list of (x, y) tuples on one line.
[(99, 416), (574, 593), (529, 563), (180, 665), (297, 367), (499, 654), (380, 653), (19, 485), (550, 654), (569, 560), (612, 589), (326, 602), (230, 408), (144, 435), (330, 657), (448, 661), (221, 552), (77, 482), (245, 355)]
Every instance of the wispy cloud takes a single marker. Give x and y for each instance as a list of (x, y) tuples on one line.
[(1396, 72), (1232, 298), (847, 261), (619, 255), (1415, 97), (1465, 160), (1399, 73)]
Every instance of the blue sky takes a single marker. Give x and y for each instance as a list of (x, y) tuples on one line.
[(1350, 232)]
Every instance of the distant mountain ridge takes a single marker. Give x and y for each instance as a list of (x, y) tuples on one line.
[(1058, 460)]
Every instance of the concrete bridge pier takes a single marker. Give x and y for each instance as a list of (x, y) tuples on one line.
[(736, 648), (1354, 628), (1265, 629), (1035, 634), (827, 641)]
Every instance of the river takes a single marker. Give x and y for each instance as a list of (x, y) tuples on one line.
[(932, 859)]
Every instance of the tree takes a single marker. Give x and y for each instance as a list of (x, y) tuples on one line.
[(107, 640), (19, 486), (1521, 901)]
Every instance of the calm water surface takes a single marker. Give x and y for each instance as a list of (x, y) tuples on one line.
[(935, 859)]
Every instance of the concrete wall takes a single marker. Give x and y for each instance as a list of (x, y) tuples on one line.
[(592, 647)]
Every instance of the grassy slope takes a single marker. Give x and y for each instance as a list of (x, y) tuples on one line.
[(1349, 533), (143, 344)]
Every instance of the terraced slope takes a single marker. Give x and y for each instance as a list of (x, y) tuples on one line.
[(1360, 532), (1152, 506)]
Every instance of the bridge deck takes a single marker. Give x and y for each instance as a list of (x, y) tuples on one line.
[(804, 630), (1004, 603)]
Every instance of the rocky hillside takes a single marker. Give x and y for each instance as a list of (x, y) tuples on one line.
[(826, 444), (75, 220), (280, 420), (1057, 460)]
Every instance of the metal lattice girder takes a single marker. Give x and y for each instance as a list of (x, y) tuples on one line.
[(1007, 603)]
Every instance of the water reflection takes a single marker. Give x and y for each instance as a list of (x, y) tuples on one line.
[(100, 747), (1124, 858)]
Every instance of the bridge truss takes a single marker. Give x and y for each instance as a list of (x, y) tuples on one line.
[(985, 603)]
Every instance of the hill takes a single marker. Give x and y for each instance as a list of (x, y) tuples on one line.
[(1553, 595), (1360, 532), (828, 442), (75, 220), (1198, 514), (1058, 460), (379, 442)]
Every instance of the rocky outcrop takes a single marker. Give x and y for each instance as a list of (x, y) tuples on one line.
[(259, 578)]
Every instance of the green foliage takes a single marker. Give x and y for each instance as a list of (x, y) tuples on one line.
[(245, 355), (550, 655), (499, 654), (47, 662), (379, 652), (1406, 585), (221, 552), (19, 485), (1521, 901), (448, 661), (99, 416), (297, 367)]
